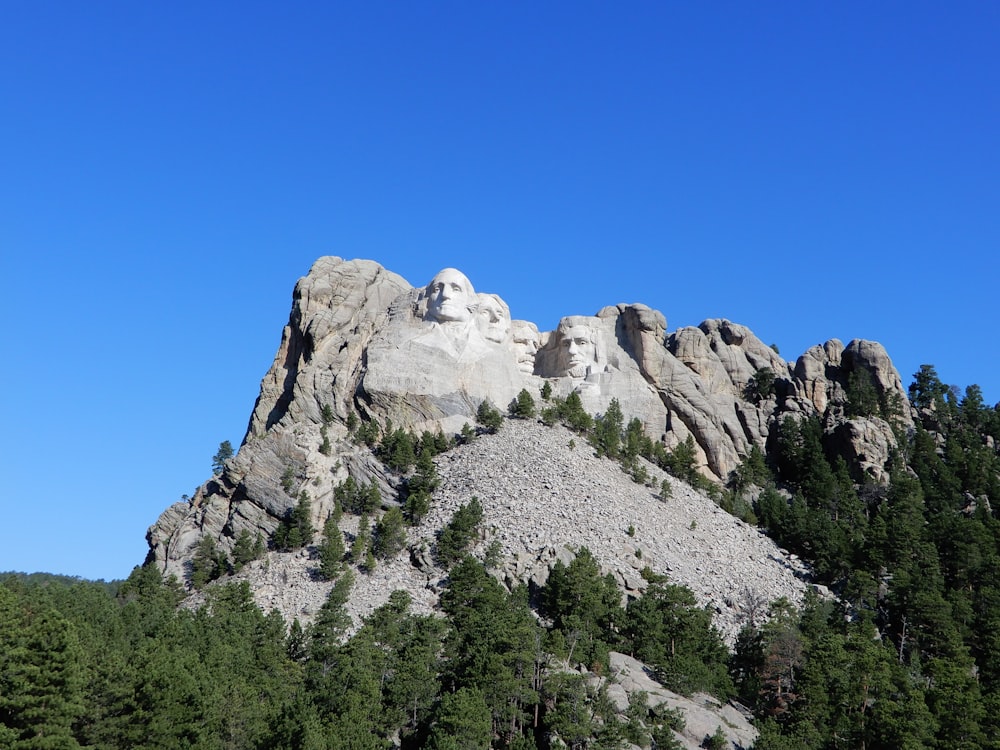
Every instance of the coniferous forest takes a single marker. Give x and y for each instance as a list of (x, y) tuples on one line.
[(907, 656)]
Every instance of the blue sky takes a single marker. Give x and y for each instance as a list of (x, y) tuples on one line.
[(169, 170)]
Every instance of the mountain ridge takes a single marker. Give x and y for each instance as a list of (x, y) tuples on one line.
[(699, 386)]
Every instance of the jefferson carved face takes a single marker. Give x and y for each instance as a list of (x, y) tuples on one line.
[(577, 350), (450, 297), (494, 318)]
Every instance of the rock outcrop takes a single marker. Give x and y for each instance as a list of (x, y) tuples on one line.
[(362, 343), (703, 714)]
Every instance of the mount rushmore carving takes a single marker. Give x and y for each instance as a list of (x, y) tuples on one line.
[(361, 342)]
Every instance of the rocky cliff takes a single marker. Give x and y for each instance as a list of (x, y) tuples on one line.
[(362, 343)]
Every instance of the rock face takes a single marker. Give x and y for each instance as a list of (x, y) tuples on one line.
[(703, 714), (362, 343)]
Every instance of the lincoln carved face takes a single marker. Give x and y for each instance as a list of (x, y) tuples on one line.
[(450, 297), (577, 349)]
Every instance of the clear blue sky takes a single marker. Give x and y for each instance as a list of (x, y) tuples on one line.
[(812, 170)]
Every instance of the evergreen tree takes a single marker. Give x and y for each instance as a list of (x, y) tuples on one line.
[(760, 386), (494, 647), (862, 395), (666, 629), (362, 541), (584, 605), (419, 487), (245, 549), (331, 550), (390, 534), (208, 562), (489, 416), (523, 406), (459, 532), (607, 433), (296, 529), (41, 679), (462, 722), (224, 453), (327, 631)]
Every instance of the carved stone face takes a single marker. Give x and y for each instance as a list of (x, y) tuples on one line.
[(525, 338), (450, 297), (494, 318), (577, 350)]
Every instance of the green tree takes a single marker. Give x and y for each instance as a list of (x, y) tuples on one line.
[(245, 549), (390, 534), (327, 631), (224, 453), (41, 677), (862, 395), (362, 540), (760, 386), (584, 605), (573, 415), (419, 487), (327, 416), (682, 462), (523, 406), (607, 431), (207, 563), (459, 532), (331, 550), (494, 647), (398, 449), (489, 416), (296, 529), (666, 629), (462, 722), (927, 391)]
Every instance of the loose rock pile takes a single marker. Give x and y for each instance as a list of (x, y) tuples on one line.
[(543, 500)]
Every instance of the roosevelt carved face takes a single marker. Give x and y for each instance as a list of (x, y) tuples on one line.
[(525, 338), (450, 297), (494, 318), (577, 350)]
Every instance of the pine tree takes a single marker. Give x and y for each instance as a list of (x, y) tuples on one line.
[(459, 532), (208, 562), (489, 416), (224, 453), (41, 677), (245, 549), (390, 534), (362, 540), (523, 406), (607, 434), (462, 723), (296, 529), (331, 550)]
